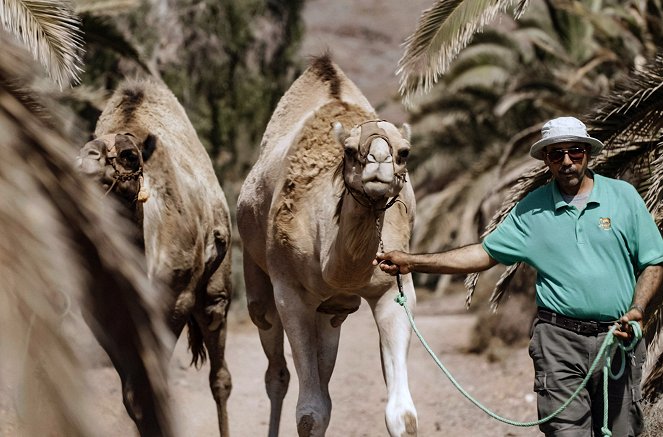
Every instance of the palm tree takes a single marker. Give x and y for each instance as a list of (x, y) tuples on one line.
[(51, 31), (63, 246)]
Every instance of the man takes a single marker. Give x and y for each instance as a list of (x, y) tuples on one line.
[(598, 256)]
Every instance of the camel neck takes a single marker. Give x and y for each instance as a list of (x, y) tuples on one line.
[(348, 262)]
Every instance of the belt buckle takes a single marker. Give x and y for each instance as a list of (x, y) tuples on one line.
[(590, 327)]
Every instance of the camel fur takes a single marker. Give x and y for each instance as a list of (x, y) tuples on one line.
[(312, 213), (147, 153)]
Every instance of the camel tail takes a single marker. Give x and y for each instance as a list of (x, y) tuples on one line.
[(196, 344)]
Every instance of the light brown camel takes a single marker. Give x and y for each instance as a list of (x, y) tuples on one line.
[(312, 213), (147, 153), (62, 247)]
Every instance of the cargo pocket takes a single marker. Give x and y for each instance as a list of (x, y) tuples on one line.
[(544, 401), (636, 421)]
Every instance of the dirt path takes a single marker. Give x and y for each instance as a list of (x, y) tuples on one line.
[(357, 389)]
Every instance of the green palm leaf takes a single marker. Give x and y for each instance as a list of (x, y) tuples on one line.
[(50, 29), (443, 30)]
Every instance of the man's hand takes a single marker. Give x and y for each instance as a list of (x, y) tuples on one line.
[(624, 331), (393, 262)]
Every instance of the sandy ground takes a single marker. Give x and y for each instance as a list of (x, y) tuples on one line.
[(357, 389)]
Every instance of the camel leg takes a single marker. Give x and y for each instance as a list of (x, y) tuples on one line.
[(262, 310), (328, 337), (395, 331), (220, 381), (123, 348), (302, 323), (211, 322)]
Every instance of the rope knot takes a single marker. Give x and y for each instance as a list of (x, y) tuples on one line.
[(401, 299)]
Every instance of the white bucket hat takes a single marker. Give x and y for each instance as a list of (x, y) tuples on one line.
[(562, 130)]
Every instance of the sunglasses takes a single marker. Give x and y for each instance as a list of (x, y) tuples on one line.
[(575, 153)]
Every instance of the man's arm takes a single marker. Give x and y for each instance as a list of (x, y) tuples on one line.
[(466, 259), (649, 283)]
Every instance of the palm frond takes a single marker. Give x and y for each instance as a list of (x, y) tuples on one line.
[(502, 285), (63, 241), (528, 182), (654, 196), (51, 31), (520, 8), (443, 30), (634, 110)]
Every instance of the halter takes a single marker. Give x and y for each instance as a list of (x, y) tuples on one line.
[(369, 132), (118, 176)]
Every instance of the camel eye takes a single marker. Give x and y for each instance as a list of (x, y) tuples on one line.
[(129, 156), (350, 152), (404, 153)]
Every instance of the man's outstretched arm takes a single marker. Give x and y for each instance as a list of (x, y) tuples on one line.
[(466, 259)]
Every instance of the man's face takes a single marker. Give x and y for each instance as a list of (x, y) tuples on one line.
[(568, 164)]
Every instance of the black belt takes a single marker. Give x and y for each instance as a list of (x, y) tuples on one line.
[(585, 327)]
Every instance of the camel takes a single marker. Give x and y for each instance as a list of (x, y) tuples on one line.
[(318, 204), (147, 153), (62, 248)]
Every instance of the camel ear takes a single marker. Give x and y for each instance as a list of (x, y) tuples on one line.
[(406, 131), (149, 146), (340, 133)]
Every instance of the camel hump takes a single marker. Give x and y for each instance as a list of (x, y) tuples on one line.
[(326, 71)]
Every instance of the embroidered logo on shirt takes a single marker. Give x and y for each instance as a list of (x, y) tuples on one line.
[(604, 223)]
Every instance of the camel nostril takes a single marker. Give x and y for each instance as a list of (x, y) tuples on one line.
[(93, 154), (379, 158)]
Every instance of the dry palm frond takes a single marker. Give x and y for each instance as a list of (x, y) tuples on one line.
[(62, 243), (634, 109), (50, 29), (653, 385), (521, 8), (443, 30), (654, 196), (526, 183)]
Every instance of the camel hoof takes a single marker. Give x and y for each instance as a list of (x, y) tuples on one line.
[(410, 425)]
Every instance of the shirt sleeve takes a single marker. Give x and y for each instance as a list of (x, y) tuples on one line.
[(647, 241), (505, 243)]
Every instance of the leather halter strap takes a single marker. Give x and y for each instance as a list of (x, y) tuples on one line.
[(370, 131)]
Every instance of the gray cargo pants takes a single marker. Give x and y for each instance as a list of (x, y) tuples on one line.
[(561, 361)]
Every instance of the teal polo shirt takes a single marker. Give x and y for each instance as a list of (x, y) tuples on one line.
[(587, 261)]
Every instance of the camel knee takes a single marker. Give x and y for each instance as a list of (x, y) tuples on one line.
[(312, 423), (221, 385), (277, 380), (258, 314)]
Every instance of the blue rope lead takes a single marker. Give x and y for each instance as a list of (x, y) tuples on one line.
[(604, 352)]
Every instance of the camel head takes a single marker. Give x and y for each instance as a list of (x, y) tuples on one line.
[(375, 155), (116, 162)]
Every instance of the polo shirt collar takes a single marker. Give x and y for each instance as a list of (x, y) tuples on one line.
[(594, 196)]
